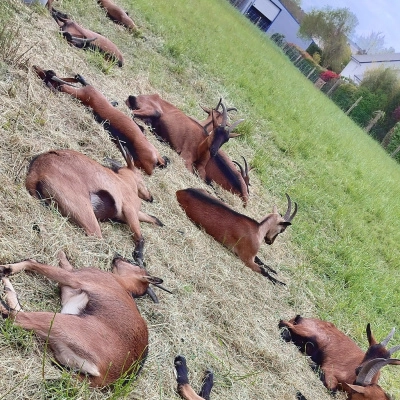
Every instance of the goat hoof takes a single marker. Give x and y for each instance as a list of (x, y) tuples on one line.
[(167, 161), (5, 271)]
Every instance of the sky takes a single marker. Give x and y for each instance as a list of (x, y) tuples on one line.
[(378, 16)]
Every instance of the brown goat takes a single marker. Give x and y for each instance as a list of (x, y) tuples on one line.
[(119, 125), (99, 332), (221, 169), (117, 14), (339, 358), (189, 138), (184, 388), (239, 233), (86, 192), (84, 38)]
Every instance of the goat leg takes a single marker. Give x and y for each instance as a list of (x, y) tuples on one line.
[(261, 264), (207, 384), (271, 278)]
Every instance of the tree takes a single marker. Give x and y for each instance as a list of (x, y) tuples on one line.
[(329, 28), (374, 43)]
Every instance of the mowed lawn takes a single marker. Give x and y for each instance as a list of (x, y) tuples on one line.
[(343, 245)]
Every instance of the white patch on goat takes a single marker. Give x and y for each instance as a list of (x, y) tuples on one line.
[(67, 356), (75, 303)]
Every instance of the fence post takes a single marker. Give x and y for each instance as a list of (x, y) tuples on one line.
[(334, 86), (354, 105), (308, 76)]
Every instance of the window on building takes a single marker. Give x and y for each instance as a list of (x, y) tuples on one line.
[(257, 18)]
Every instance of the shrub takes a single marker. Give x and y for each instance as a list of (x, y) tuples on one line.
[(328, 75)]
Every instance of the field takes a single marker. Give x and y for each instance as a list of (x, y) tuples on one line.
[(339, 258)]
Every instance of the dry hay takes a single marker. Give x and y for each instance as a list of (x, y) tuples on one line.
[(221, 314)]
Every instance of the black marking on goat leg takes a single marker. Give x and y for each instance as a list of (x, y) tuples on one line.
[(271, 278), (5, 309), (299, 396), (138, 252), (159, 223), (261, 264), (5, 271), (166, 162), (207, 384), (81, 79), (181, 370)]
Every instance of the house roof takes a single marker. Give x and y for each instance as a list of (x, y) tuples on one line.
[(372, 58)]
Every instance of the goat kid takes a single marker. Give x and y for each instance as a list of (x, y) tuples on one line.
[(99, 332), (239, 233), (86, 192), (343, 364), (184, 134), (119, 125), (84, 38), (117, 14), (184, 389)]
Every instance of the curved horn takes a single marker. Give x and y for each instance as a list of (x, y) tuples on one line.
[(289, 209), (224, 115), (394, 349), (388, 337), (58, 80), (234, 125), (219, 104), (231, 109), (287, 217), (371, 368), (152, 295), (242, 171)]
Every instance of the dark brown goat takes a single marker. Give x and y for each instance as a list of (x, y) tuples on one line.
[(99, 332), (84, 38), (117, 14), (86, 192), (343, 364), (184, 388), (119, 125), (184, 134), (239, 233)]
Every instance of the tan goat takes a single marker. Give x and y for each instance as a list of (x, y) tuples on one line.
[(343, 364), (99, 332), (117, 14), (85, 191), (119, 125), (239, 233), (84, 38)]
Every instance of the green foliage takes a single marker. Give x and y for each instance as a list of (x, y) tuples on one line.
[(395, 143), (330, 27), (278, 38), (381, 79), (345, 95)]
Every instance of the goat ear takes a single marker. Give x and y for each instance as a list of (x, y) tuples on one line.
[(356, 388), (152, 279), (370, 337), (285, 223)]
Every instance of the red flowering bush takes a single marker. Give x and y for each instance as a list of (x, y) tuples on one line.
[(328, 75)]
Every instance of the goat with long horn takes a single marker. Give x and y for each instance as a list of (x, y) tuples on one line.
[(239, 233), (343, 364)]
